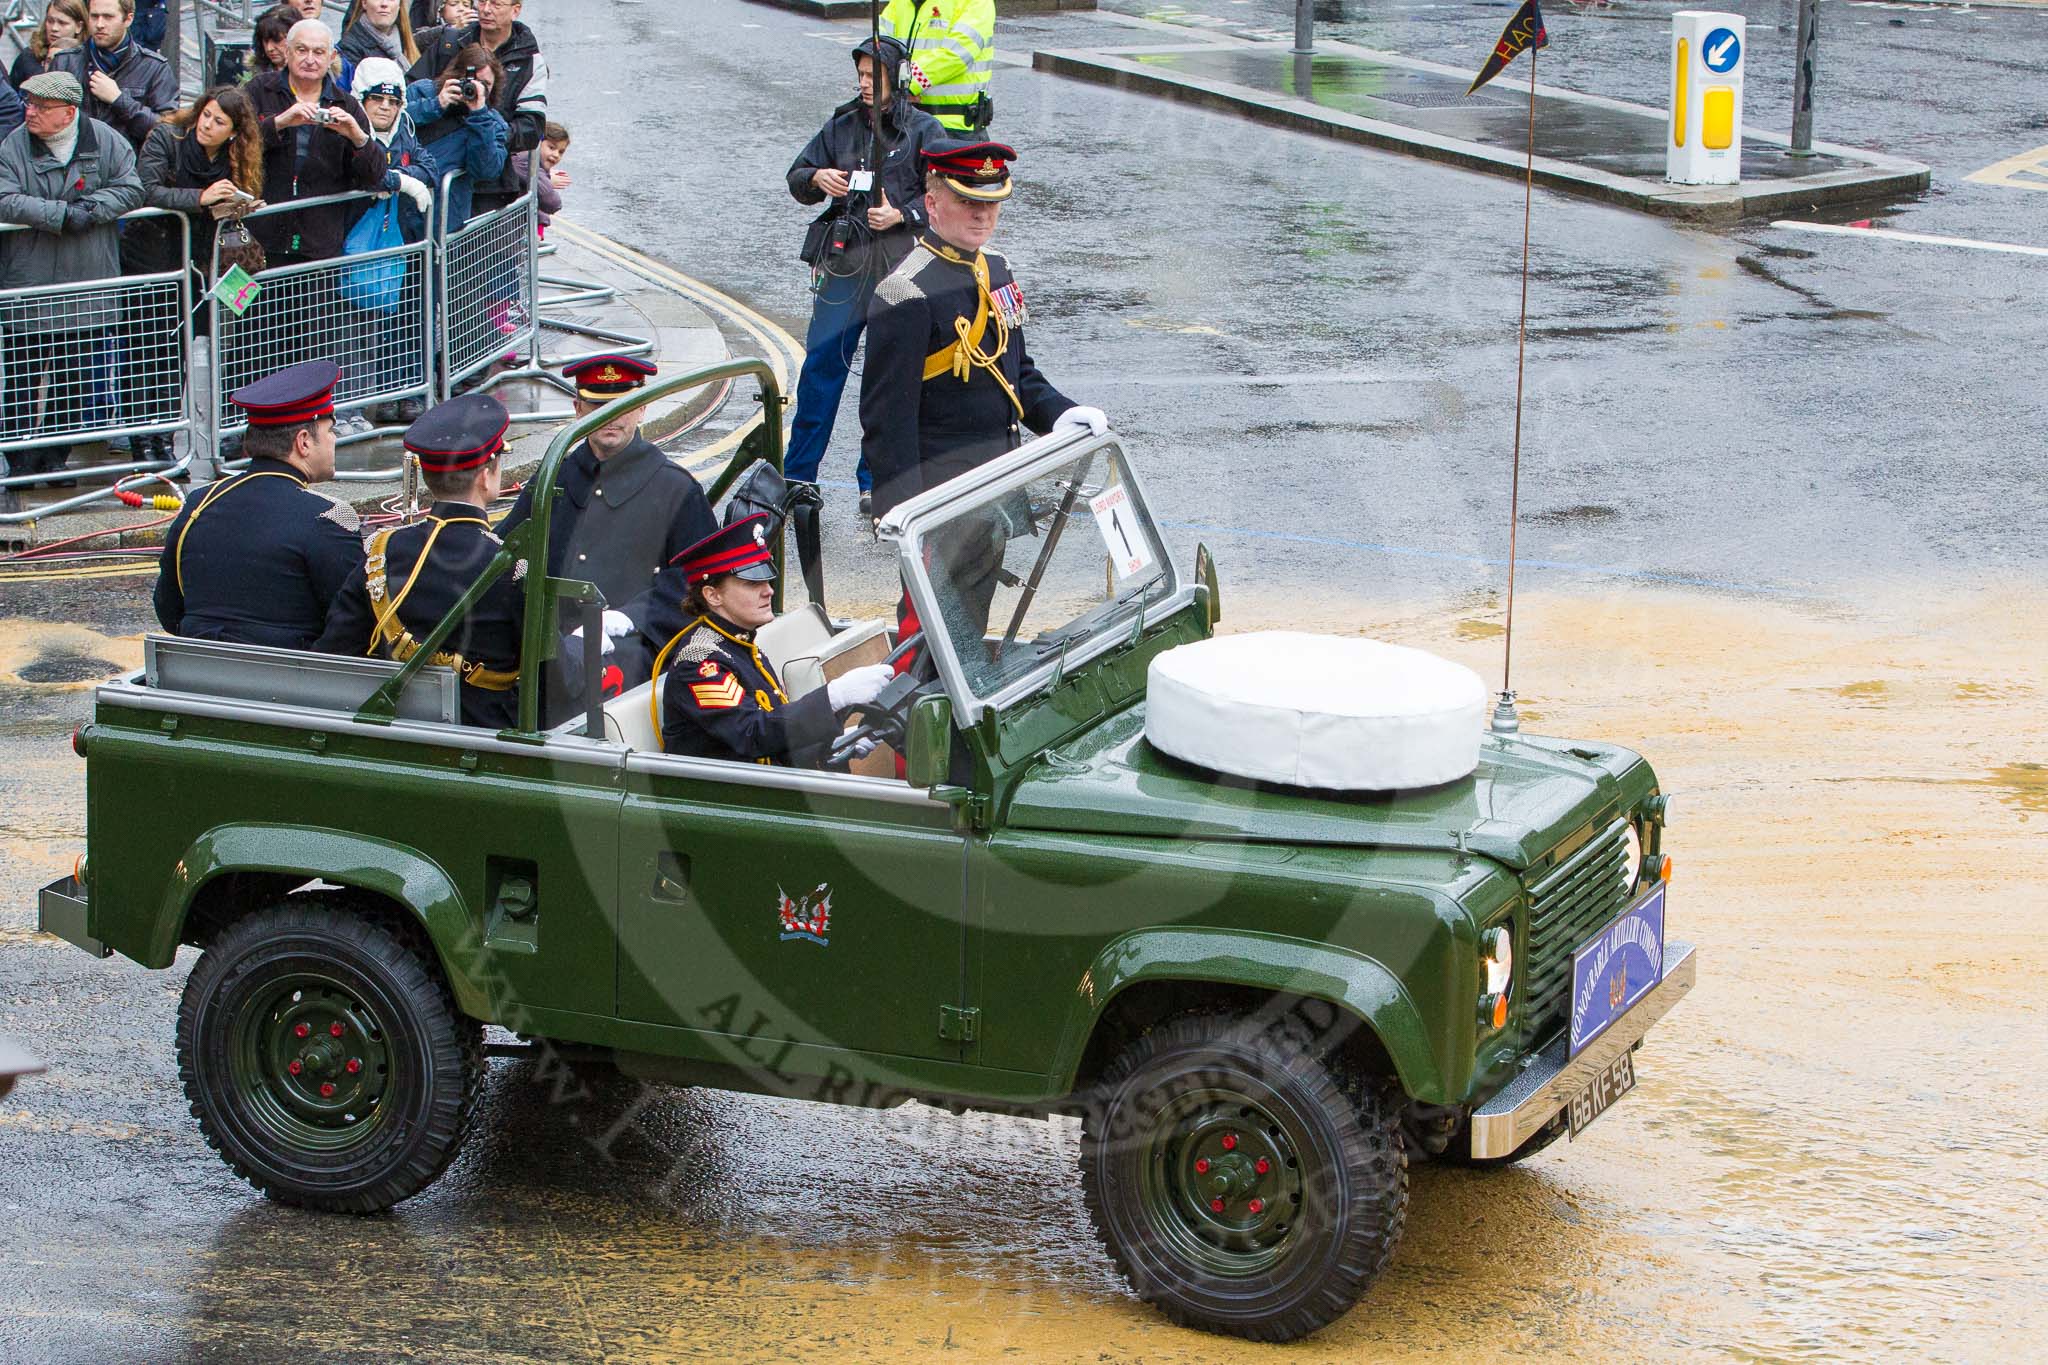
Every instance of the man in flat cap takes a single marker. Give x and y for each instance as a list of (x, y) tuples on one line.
[(259, 558), (70, 179), (948, 381), (626, 511), (415, 574)]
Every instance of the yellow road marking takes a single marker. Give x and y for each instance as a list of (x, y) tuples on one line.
[(2027, 171), (782, 351)]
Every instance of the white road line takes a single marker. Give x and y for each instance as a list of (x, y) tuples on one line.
[(1928, 239), (2027, 171)]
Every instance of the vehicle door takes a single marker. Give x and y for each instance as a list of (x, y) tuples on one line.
[(773, 910)]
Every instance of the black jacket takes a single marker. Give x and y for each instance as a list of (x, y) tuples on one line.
[(149, 89), (256, 559), (488, 636), (522, 99), (917, 433), (723, 700), (305, 163), (618, 524), (846, 143)]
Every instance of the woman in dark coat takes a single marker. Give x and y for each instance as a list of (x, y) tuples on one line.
[(378, 28)]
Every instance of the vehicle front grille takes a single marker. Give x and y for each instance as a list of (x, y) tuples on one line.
[(1566, 906)]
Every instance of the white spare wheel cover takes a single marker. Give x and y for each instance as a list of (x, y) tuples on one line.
[(1316, 711)]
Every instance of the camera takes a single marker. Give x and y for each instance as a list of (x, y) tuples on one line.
[(324, 116), (469, 89)]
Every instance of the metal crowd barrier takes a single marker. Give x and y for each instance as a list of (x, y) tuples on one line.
[(488, 282), (369, 313), (96, 360)]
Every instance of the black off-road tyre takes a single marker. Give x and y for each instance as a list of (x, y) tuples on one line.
[(324, 1057), (1312, 1156)]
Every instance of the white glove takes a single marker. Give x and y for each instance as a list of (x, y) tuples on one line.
[(422, 198), (1095, 419), (577, 634), (858, 686), (617, 623), (861, 747)]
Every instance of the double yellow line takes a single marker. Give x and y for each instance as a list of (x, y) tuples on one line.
[(783, 352)]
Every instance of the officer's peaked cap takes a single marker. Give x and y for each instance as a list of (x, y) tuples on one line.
[(292, 397), (601, 378), (740, 549), (462, 433), (977, 170)]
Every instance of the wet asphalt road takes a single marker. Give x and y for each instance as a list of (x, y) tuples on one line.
[(1312, 349)]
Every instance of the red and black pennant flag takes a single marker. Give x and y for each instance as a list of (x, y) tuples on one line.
[(1524, 31)]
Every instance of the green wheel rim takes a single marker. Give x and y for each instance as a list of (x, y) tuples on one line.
[(310, 1062), (1221, 1181)]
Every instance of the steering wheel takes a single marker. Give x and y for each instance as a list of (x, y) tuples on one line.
[(888, 713)]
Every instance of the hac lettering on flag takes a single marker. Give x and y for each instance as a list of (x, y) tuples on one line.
[(1524, 31)]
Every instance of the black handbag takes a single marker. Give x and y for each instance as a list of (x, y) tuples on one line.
[(237, 246)]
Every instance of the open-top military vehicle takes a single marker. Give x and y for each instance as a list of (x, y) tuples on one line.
[(1260, 999)]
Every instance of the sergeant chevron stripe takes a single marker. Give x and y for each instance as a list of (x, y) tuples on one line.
[(719, 696)]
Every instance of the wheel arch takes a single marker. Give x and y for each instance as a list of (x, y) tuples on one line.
[(1151, 974), (229, 862)]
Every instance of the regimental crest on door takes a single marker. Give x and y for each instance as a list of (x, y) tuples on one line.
[(809, 918)]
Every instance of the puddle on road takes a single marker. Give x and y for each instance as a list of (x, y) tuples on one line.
[(49, 656)]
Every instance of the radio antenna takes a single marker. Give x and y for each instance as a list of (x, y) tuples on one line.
[(1506, 720)]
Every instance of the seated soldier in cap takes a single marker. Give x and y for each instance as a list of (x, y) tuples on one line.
[(258, 558), (415, 573), (722, 698), (625, 513)]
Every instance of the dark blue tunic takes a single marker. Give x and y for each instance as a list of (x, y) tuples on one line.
[(256, 559)]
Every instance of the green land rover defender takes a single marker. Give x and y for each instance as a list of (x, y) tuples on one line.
[(1260, 1000)]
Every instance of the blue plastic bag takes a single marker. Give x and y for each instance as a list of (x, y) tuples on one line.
[(377, 286)]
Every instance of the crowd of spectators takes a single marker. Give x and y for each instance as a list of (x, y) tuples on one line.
[(410, 92)]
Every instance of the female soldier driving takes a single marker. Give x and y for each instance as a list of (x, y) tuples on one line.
[(722, 698)]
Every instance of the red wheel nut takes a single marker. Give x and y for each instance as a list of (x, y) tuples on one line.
[(1262, 1165), (1256, 1205), (327, 1090), (335, 1028), (293, 1067), (355, 1064), (1201, 1165), (302, 1030), (1216, 1205), (1230, 1142)]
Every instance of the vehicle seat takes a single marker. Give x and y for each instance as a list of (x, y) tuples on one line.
[(804, 651), (628, 721)]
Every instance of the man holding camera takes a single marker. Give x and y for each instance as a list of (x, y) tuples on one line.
[(316, 141), (521, 97), (870, 223)]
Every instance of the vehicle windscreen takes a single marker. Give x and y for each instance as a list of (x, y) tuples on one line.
[(1033, 569)]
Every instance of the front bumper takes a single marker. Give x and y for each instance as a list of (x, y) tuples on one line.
[(1532, 1099), (61, 909)]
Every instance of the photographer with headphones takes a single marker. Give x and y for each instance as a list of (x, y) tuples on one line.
[(872, 218)]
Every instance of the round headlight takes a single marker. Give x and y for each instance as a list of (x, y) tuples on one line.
[(1632, 858), (1499, 960)]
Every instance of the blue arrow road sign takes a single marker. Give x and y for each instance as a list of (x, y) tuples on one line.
[(1722, 50)]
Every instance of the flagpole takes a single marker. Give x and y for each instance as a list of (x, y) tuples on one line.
[(1505, 719)]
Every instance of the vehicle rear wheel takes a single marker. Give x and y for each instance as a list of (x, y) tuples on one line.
[(1241, 1184), (324, 1057)]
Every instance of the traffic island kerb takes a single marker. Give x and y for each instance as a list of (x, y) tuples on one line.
[(1604, 149)]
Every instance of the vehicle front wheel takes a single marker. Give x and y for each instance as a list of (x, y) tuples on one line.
[(1241, 1184), (325, 1059)]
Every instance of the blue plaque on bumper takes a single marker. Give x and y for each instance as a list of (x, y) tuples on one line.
[(1617, 967)]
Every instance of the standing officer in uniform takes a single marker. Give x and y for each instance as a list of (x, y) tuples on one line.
[(722, 698), (866, 230), (952, 47), (626, 511), (948, 380), (415, 573), (258, 558)]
